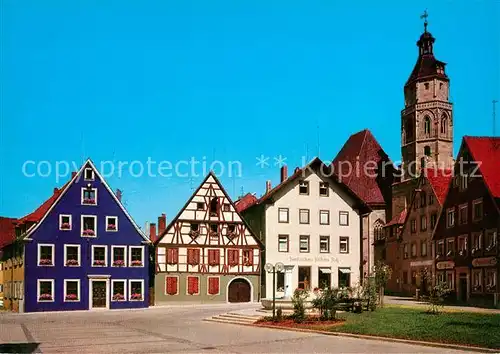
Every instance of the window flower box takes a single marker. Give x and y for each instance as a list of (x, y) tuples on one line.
[(45, 261), (88, 232), (136, 297), (99, 263), (118, 297), (71, 297), (72, 262), (136, 264), (66, 226), (111, 227), (193, 233), (89, 201), (45, 297), (118, 263)]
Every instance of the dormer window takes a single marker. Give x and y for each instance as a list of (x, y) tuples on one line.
[(214, 207), (88, 174), (89, 196), (304, 187)]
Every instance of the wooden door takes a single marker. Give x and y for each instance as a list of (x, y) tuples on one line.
[(239, 291), (99, 294)]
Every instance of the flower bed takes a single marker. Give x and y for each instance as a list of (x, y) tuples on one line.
[(310, 322)]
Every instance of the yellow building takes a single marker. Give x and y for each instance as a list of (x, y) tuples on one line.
[(7, 237), (13, 276)]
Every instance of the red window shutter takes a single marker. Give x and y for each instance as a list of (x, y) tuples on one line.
[(176, 255), (190, 256), (171, 284), (172, 255), (196, 285), (213, 286), (216, 256), (230, 257), (248, 257), (233, 259), (193, 286), (197, 256)]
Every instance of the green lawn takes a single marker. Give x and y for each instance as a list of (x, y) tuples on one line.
[(456, 327)]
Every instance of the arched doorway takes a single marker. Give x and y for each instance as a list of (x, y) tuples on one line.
[(239, 290)]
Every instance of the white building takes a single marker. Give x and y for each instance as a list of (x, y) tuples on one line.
[(311, 223)]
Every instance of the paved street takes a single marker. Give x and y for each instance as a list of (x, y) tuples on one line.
[(172, 330)]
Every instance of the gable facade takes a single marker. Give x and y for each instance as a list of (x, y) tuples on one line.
[(86, 252), (208, 253)]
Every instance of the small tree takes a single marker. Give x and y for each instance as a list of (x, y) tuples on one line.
[(299, 309), (437, 296), (382, 275), (370, 293), (326, 304)]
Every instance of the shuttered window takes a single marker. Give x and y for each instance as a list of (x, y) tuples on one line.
[(232, 257), (172, 255), (193, 285), (213, 257), (248, 257), (213, 285), (171, 285), (193, 256)]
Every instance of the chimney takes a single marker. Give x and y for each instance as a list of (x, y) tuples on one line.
[(73, 174), (268, 186), (284, 173), (297, 169), (152, 232), (162, 223), (56, 190), (119, 195)]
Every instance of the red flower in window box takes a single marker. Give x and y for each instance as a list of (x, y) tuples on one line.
[(136, 263), (45, 261), (136, 296), (71, 297), (99, 263), (88, 232), (118, 263), (89, 201), (72, 262), (65, 226), (111, 227), (45, 297), (118, 297)]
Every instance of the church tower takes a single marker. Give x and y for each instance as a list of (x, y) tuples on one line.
[(426, 120)]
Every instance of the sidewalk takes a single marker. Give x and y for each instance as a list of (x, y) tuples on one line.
[(411, 302)]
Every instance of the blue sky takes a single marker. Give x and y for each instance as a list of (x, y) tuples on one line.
[(224, 80)]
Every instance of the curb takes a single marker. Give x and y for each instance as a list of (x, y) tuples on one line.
[(385, 339)]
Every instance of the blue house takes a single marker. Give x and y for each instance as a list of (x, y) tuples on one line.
[(85, 252)]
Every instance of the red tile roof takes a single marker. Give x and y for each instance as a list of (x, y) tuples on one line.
[(245, 202), (359, 154), (486, 151), (397, 220), (7, 230), (439, 179), (39, 213)]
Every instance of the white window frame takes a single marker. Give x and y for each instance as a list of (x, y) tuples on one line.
[(125, 253), (40, 245), (346, 242), (38, 289), (107, 223), (448, 212), (287, 213), (124, 281), (287, 237), (328, 243), (208, 285), (105, 256), (130, 256), (178, 284), (327, 213), (343, 213), (130, 289), (307, 213), (66, 254), (95, 225), (78, 290), (83, 190), (199, 285), (61, 216), (85, 174)]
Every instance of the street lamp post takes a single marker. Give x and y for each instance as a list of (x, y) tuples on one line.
[(270, 268)]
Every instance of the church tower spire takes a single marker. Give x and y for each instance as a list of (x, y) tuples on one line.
[(426, 120)]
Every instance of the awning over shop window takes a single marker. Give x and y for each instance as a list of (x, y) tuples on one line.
[(325, 270), (345, 270)]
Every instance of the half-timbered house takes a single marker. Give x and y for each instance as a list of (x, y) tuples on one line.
[(208, 253)]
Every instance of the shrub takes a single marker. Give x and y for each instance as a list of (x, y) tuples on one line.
[(370, 294), (326, 304), (299, 310), (437, 296)]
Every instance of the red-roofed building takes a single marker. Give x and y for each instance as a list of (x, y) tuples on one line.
[(367, 170), (408, 246), (7, 235), (466, 234)]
